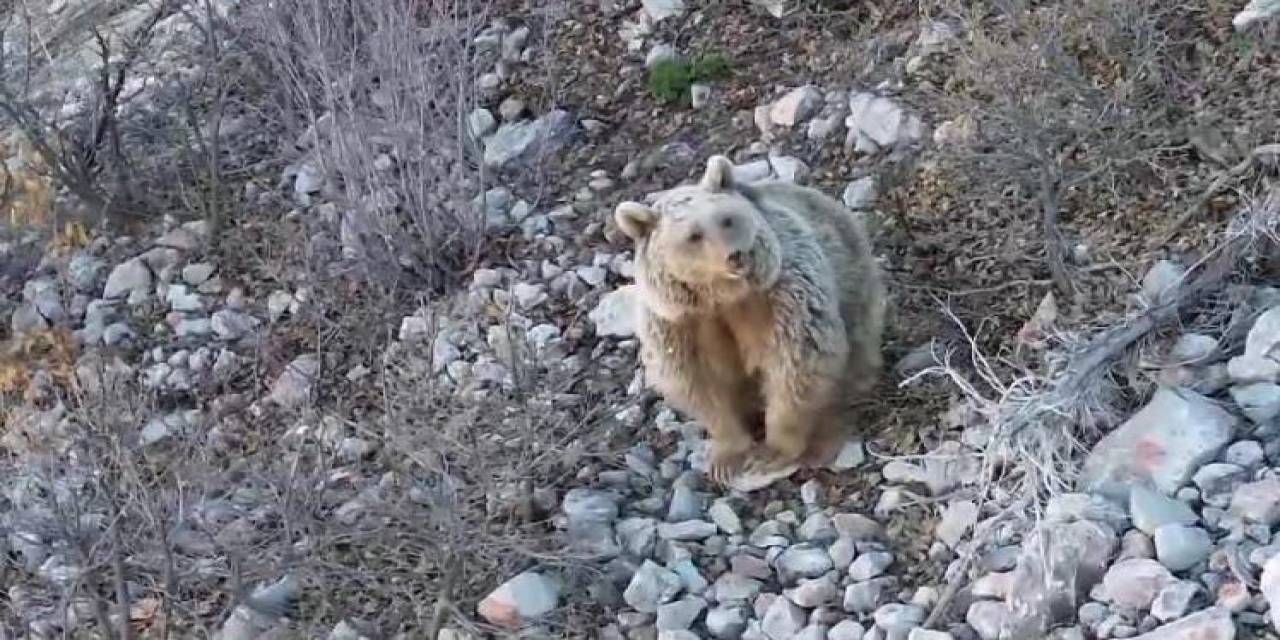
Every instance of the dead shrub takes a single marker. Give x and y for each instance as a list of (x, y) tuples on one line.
[(374, 94)]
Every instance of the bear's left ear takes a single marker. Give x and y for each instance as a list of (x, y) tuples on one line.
[(719, 174), (635, 219)]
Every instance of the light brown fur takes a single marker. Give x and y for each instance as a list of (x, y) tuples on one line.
[(762, 307)]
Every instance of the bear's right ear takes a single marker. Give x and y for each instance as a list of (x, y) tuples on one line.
[(635, 219), (719, 174)]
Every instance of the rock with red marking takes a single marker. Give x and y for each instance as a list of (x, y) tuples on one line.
[(526, 597), (1164, 443)]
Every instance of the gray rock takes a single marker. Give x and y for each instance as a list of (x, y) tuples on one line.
[(660, 52), (865, 597), (851, 456), (1174, 600), (860, 194), (735, 588), (723, 514), (519, 141), (842, 553), (1161, 282), (293, 387), (197, 273), (1260, 401), (699, 95), (529, 296), (617, 312), (870, 565), (1151, 510), (783, 620), (899, 619), (956, 521), (1165, 442), (526, 597), (1057, 567), (726, 622), (817, 528), (1213, 623), (693, 580), (481, 122), (687, 530), (27, 319), (1246, 453), (846, 630), (1077, 507), (681, 614), (1217, 481), (128, 277), (802, 561), (117, 333), (1136, 544), (83, 271), (988, 618), (1258, 502), (590, 514), (686, 504), (770, 533), (232, 325), (1180, 547), (813, 593), (1193, 349), (857, 527), (651, 587), (1134, 583), (796, 106), (637, 536)]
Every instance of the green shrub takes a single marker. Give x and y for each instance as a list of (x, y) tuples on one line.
[(669, 80)]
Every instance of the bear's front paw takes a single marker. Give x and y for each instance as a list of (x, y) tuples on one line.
[(726, 460)]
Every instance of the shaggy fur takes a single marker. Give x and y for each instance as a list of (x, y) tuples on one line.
[(762, 303)]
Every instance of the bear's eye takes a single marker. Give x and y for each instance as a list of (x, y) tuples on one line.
[(695, 237), (727, 223)]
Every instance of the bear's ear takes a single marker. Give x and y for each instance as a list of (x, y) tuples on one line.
[(719, 174), (635, 219)]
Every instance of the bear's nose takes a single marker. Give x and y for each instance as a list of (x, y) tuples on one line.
[(735, 259)]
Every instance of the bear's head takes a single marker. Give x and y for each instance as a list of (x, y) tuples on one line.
[(704, 244)]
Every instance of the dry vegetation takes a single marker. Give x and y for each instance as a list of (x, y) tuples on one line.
[(1086, 137)]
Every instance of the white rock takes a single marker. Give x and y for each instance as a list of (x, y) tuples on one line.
[(481, 122), (776, 8), (659, 10), (860, 194), (1269, 585), (617, 312), (783, 620), (929, 634), (1258, 502), (526, 597), (1255, 11), (1134, 583), (1174, 600), (519, 140), (659, 53), (815, 592), (851, 456), (723, 514), (699, 95), (1151, 510), (726, 622), (898, 619), (127, 278), (956, 521), (987, 618), (796, 106), (870, 565), (802, 561), (877, 123)]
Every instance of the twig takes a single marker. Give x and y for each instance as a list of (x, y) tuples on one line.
[(1214, 187)]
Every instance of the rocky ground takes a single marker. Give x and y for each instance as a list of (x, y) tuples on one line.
[(248, 441)]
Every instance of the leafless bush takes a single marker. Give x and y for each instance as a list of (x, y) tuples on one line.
[(77, 152), (1066, 98), (375, 94)]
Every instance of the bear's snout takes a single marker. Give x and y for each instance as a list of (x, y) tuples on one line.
[(736, 259)]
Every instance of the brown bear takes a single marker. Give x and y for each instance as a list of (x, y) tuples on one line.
[(759, 303)]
